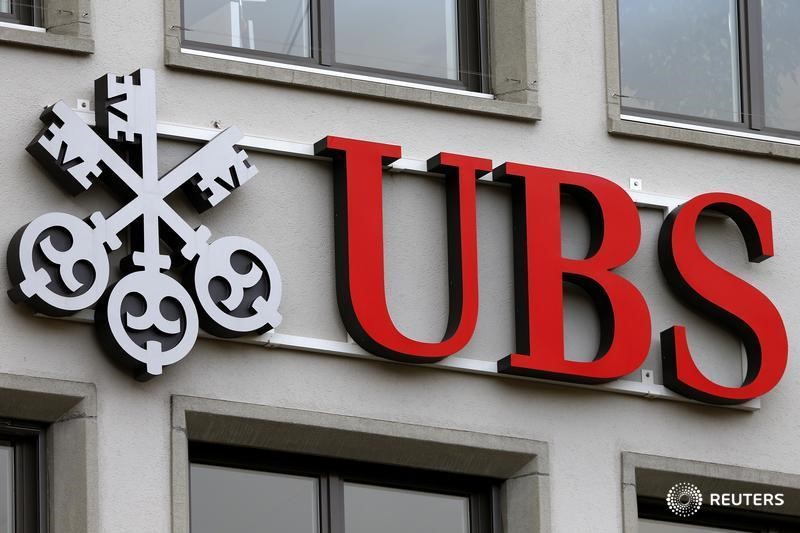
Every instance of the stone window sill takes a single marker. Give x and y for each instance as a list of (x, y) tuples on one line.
[(312, 78), (716, 138), (41, 38)]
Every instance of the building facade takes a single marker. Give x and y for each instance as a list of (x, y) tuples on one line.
[(329, 416)]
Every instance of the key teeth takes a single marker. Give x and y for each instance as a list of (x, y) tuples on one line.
[(85, 179), (54, 113), (135, 88), (248, 169), (217, 197), (79, 168)]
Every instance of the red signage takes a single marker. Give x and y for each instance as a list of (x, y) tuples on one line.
[(541, 270)]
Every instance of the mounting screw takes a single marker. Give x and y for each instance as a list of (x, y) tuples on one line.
[(636, 184), (217, 124), (83, 105), (647, 376)]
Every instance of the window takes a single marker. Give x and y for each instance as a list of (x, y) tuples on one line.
[(437, 42), (240, 490), (26, 12), (455, 477), (62, 25), (730, 64), (469, 56), (734, 499), (65, 432), (21, 490), (655, 518)]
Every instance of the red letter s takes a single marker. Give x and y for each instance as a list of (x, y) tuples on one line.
[(718, 293)]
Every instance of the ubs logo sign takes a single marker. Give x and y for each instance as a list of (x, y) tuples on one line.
[(174, 280)]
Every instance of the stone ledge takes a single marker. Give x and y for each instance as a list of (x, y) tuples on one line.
[(652, 476), (175, 58), (716, 141), (53, 41)]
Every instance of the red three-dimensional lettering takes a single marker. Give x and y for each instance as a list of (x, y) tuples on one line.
[(358, 174), (717, 293), (540, 270)]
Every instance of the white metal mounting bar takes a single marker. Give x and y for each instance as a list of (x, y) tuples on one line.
[(269, 145)]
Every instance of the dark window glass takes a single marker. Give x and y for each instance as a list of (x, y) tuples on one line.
[(26, 12), (681, 57), (276, 26), (438, 42), (655, 517), (21, 464), (729, 63), (368, 509), (6, 486), (781, 49), (235, 500), (414, 36), (246, 490)]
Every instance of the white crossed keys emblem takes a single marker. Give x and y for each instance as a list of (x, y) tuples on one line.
[(59, 265)]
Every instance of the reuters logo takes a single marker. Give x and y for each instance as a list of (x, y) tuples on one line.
[(684, 499)]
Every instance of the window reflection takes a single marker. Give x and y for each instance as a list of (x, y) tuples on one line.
[(413, 36), (233, 500), (681, 57), (6, 487), (781, 20), (369, 509), (275, 26)]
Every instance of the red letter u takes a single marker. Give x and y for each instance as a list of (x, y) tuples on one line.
[(358, 173)]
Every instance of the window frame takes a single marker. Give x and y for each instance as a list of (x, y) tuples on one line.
[(521, 464), (751, 81), (24, 13), (28, 442), (472, 48), (511, 69), (66, 411), (482, 493), (630, 121), (738, 520), (646, 480)]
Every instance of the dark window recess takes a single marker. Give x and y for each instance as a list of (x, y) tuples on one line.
[(26, 12), (655, 517), (721, 63), (240, 490), (435, 42), (21, 477)]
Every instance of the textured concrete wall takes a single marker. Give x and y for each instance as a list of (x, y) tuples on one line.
[(288, 209)]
